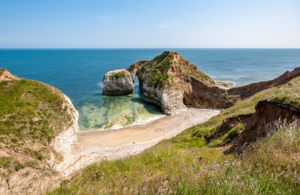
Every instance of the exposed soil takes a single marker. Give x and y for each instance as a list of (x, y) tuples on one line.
[(259, 124)]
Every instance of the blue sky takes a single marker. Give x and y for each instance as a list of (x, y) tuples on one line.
[(149, 24)]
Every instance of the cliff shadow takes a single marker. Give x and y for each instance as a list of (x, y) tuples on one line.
[(151, 108)]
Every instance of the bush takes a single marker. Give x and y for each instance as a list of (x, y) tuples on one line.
[(118, 75)]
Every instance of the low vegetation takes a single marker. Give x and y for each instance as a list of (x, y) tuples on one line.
[(157, 69), (31, 115), (191, 164), (269, 167), (288, 93), (194, 72), (131, 67), (118, 75), (30, 110)]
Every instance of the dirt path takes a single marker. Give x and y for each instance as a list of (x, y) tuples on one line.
[(112, 144)]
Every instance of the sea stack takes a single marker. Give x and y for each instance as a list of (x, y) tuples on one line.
[(163, 80), (117, 82), (172, 83)]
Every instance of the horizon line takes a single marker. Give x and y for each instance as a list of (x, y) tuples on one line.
[(151, 48)]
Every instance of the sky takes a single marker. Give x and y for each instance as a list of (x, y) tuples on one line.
[(149, 23)]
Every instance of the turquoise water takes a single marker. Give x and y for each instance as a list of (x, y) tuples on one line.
[(79, 72)]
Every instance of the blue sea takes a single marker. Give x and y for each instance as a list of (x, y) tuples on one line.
[(79, 72)]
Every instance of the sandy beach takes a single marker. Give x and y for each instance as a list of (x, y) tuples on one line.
[(120, 143)]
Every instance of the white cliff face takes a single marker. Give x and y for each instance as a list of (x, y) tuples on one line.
[(65, 140), (169, 98), (172, 101), (118, 82)]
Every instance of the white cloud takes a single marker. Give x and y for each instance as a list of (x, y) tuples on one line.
[(106, 19)]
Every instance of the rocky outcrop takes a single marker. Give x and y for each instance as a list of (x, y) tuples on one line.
[(118, 82), (172, 82), (64, 141), (161, 80)]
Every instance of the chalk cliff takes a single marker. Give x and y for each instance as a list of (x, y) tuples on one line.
[(171, 82)]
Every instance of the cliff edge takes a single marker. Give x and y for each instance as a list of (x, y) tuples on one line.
[(38, 126)]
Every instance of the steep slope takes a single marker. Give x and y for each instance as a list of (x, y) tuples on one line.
[(263, 122), (251, 119), (38, 125)]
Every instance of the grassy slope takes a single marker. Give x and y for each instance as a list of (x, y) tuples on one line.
[(192, 70), (184, 165), (157, 70), (30, 117), (288, 93)]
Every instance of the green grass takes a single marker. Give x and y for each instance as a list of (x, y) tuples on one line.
[(131, 67), (160, 163), (10, 164), (288, 93), (157, 69), (187, 164), (194, 72), (229, 134), (30, 111), (269, 167), (119, 75)]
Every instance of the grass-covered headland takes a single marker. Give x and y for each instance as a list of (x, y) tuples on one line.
[(157, 70), (31, 115), (192, 164)]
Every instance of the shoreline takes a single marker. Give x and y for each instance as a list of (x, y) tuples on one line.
[(150, 120), (111, 144)]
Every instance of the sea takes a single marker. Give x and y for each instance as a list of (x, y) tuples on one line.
[(79, 72)]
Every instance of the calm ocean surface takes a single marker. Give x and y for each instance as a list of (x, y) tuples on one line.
[(79, 72)]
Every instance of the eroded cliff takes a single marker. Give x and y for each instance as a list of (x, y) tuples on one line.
[(171, 82)]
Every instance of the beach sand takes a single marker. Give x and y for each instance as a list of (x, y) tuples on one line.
[(120, 143)]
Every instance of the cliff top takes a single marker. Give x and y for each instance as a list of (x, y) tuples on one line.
[(120, 73), (158, 70), (1, 71), (6, 76), (31, 115)]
